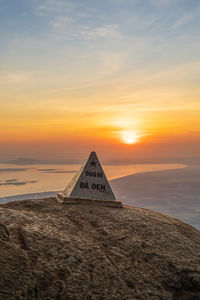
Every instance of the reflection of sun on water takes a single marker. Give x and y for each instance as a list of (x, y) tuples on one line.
[(129, 137)]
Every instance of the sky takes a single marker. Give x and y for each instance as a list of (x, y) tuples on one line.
[(117, 76)]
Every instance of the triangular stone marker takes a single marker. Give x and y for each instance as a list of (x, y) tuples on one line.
[(89, 183)]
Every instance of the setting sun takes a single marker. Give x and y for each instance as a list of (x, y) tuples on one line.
[(130, 137)]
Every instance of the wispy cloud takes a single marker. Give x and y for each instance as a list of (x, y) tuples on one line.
[(15, 78), (15, 182), (75, 21), (29, 161), (108, 30), (52, 5), (163, 2), (185, 18), (55, 171), (7, 170)]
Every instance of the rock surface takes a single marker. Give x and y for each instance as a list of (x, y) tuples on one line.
[(65, 251)]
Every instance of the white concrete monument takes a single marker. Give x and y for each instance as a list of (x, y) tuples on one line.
[(89, 183)]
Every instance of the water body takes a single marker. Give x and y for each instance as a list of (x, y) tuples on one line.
[(38, 178)]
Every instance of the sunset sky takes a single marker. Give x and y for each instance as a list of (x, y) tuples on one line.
[(121, 77)]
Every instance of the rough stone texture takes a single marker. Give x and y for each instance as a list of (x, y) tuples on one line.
[(58, 251), (4, 233), (67, 201)]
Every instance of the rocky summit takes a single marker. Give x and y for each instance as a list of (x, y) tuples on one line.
[(50, 250)]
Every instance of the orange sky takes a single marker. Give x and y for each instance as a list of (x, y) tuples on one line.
[(123, 80)]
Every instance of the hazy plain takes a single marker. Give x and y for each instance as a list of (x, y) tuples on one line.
[(22, 179), (172, 189), (172, 192)]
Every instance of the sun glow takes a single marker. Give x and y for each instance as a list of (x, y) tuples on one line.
[(130, 137)]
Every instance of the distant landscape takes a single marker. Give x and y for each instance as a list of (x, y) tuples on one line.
[(172, 192)]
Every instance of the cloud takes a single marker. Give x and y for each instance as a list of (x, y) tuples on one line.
[(163, 3), (108, 30), (10, 180), (29, 161), (55, 171), (54, 5), (186, 18), (72, 20), (4, 170), (15, 182), (47, 170), (15, 78), (83, 32), (49, 8)]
